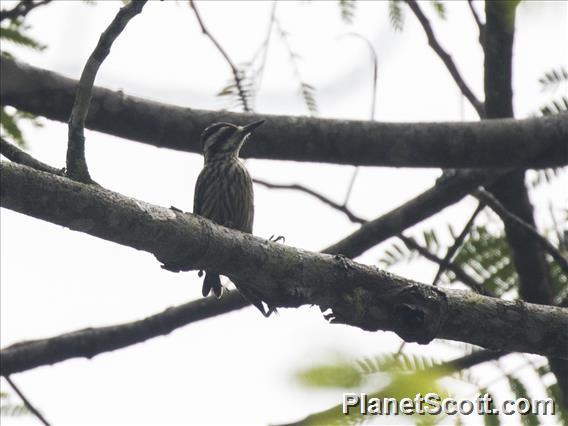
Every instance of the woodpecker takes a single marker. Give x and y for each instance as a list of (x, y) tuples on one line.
[(223, 191)]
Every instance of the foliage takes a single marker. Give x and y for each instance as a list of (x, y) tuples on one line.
[(244, 91), (551, 80), (485, 256), (347, 8), (439, 8), (520, 391), (396, 15), (307, 91), (9, 408), (14, 31), (9, 126), (556, 106)]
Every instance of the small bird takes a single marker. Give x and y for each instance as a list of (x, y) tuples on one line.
[(223, 192)]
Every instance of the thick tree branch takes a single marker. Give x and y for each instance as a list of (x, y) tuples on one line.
[(76, 164), (494, 143), (527, 253), (358, 295), (440, 196), (446, 58), (514, 220), (92, 341)]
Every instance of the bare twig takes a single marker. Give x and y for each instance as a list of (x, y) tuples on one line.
[(21, 9), (515, 220), (444, 263), (480, 25), (236, 73), (305, 88), (296, 187), (375, 60), (458, 242), (459, 272), (446, 58), (350, 186), (264, 49), (17, 155), (76, 164), (26, 401)]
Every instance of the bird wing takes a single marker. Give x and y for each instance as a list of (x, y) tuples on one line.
[(226, 199)]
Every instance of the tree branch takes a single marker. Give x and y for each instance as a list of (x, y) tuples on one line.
[(532, 143), (236, 74), (480, 25), (296, 187), (17, 155), (89, 342), (515, 220), (412, 244), (446, 58), (459, 272), (457, 243), (26, 401), (527, 254), (440, 196), (76, 164), (21, 9), (358, 295)]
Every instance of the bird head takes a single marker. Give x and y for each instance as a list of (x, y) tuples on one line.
[(224, 140)]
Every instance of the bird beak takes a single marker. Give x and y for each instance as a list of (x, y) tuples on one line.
[(249, 128)]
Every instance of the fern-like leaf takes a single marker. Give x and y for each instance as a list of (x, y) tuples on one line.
[(10, 409), (308, 95), (557, 106), (14, 34), (9, 126), (398, 252), (439, 8), (490, 419), (487, 258), (552, 79), (347, 8), (340, 375), (396, 15), (520, 391)]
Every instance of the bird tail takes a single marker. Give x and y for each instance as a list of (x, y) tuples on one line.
[(212, 282)]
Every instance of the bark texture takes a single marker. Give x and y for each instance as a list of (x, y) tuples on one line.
[(358, 295), (530, 143)]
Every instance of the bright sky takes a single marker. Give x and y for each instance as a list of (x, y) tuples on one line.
[(236, 368)]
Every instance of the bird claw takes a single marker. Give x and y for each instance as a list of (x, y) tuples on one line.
[(344, 262), (276, 239), (256, 301)]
